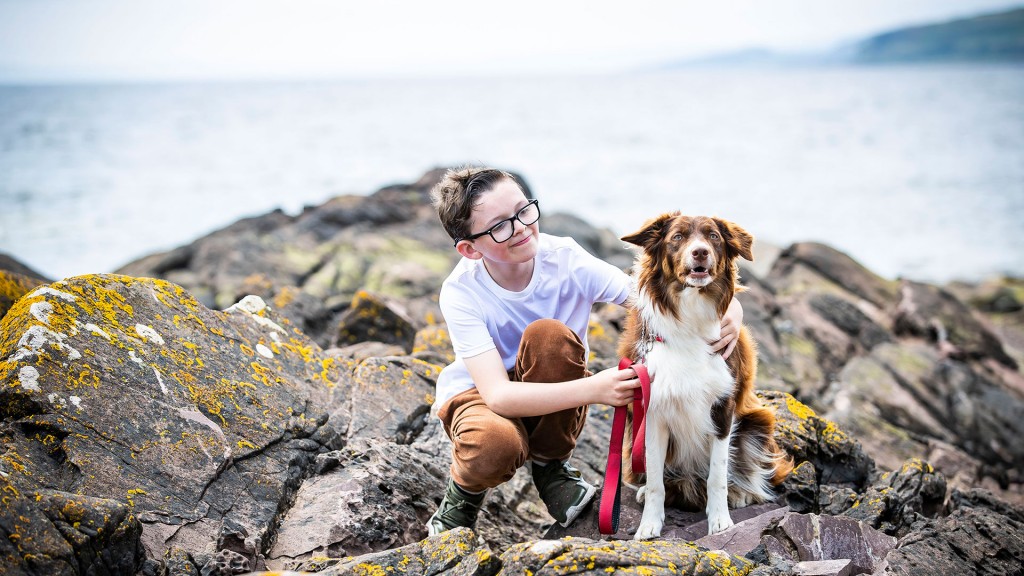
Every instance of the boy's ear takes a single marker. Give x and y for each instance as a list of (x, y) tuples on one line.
[(468, 250)]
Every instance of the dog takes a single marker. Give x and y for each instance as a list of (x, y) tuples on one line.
[(709, 440)]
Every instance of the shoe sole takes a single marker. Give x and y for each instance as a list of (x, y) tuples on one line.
[(574, 512)]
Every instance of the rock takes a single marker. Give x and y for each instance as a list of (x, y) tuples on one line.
[(603, 336), (376, 497), (16, 280), (837, 458), (904, 395), (807, 263), (391, 398), (900, 498), (306, 312), (10, 264), (388, 243), (13, 286), (58, 533), (849, 318), (372, 318), (356, 353), (433, 344), (744, 535), (175, 561), (232, 439), (200, 421), (456, 552), (808, 537), (225, 563), (980, 536), (583, 556), (935, 314), (602, 242), (823, 568), (980, 498)]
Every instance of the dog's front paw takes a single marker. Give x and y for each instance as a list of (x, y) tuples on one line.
[(719, 523), (648, 530)]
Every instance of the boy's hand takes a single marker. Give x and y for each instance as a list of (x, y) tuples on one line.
[(732, 321), (615, 387)]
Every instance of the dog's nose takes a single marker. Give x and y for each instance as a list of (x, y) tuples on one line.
[(700, 253)]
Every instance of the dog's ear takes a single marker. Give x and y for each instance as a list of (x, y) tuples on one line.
[(651, 232), (739, 241)]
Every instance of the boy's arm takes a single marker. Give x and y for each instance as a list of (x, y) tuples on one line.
[(613, 387), (731, 324)]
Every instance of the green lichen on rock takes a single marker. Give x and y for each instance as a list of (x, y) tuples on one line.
[(394, 266)]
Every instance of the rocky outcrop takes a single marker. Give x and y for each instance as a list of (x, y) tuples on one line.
[(260, 400), (980, 536), (906, 368), (388, 243), (203, 423)]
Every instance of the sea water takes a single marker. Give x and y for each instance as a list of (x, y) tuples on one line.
[(915, 171)]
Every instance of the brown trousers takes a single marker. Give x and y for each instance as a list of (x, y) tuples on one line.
[(488, 448)]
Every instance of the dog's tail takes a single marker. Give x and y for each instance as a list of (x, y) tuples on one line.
[(757, 425)]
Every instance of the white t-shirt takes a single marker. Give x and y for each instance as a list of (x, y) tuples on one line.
[(481, 315)]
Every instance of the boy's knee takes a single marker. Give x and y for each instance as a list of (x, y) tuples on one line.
[(548, 328), (551, 339), (490, 455)]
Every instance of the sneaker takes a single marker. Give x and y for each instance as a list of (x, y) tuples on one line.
[(458, 508), (563, 490)]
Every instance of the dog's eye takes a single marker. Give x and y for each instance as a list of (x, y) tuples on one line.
[(713, 235), (677, 237)]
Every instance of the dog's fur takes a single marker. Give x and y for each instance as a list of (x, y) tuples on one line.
[(709, 440)]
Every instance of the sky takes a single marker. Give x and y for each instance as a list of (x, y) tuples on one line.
[(129, 40)]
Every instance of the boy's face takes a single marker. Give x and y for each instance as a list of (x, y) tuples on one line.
[(501, 202)]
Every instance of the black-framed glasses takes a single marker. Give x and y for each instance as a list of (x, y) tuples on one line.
[(504, 230)]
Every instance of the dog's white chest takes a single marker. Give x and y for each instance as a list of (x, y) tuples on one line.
[(681, 362), (687, 379), (690, 373)]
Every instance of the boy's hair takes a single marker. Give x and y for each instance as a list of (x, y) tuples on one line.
[(459, 191)]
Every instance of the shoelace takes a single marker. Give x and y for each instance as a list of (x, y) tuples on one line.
[(455, 506)]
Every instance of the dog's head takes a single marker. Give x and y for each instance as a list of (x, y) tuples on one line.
[(694, 250)]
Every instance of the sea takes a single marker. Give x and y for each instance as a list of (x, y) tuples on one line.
[(917, 172)]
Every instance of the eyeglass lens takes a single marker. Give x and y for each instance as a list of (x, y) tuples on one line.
[(503, 230)]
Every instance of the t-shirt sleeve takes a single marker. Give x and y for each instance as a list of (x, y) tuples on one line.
[(603, 281), (467, 326)]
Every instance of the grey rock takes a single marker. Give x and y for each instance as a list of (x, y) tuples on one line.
[(809, 537), (823, 568), (933, 313), (972, 539)]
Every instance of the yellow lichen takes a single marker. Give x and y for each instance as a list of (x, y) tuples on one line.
[(799, 409)]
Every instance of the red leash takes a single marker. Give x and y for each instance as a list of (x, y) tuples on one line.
[(608, 516)]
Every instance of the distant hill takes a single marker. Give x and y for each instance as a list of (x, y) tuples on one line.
[(992, 37), (997, 37)]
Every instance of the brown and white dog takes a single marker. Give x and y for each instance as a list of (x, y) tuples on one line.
[(709, 440)]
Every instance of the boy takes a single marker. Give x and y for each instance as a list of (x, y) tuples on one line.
[(517, 307)]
